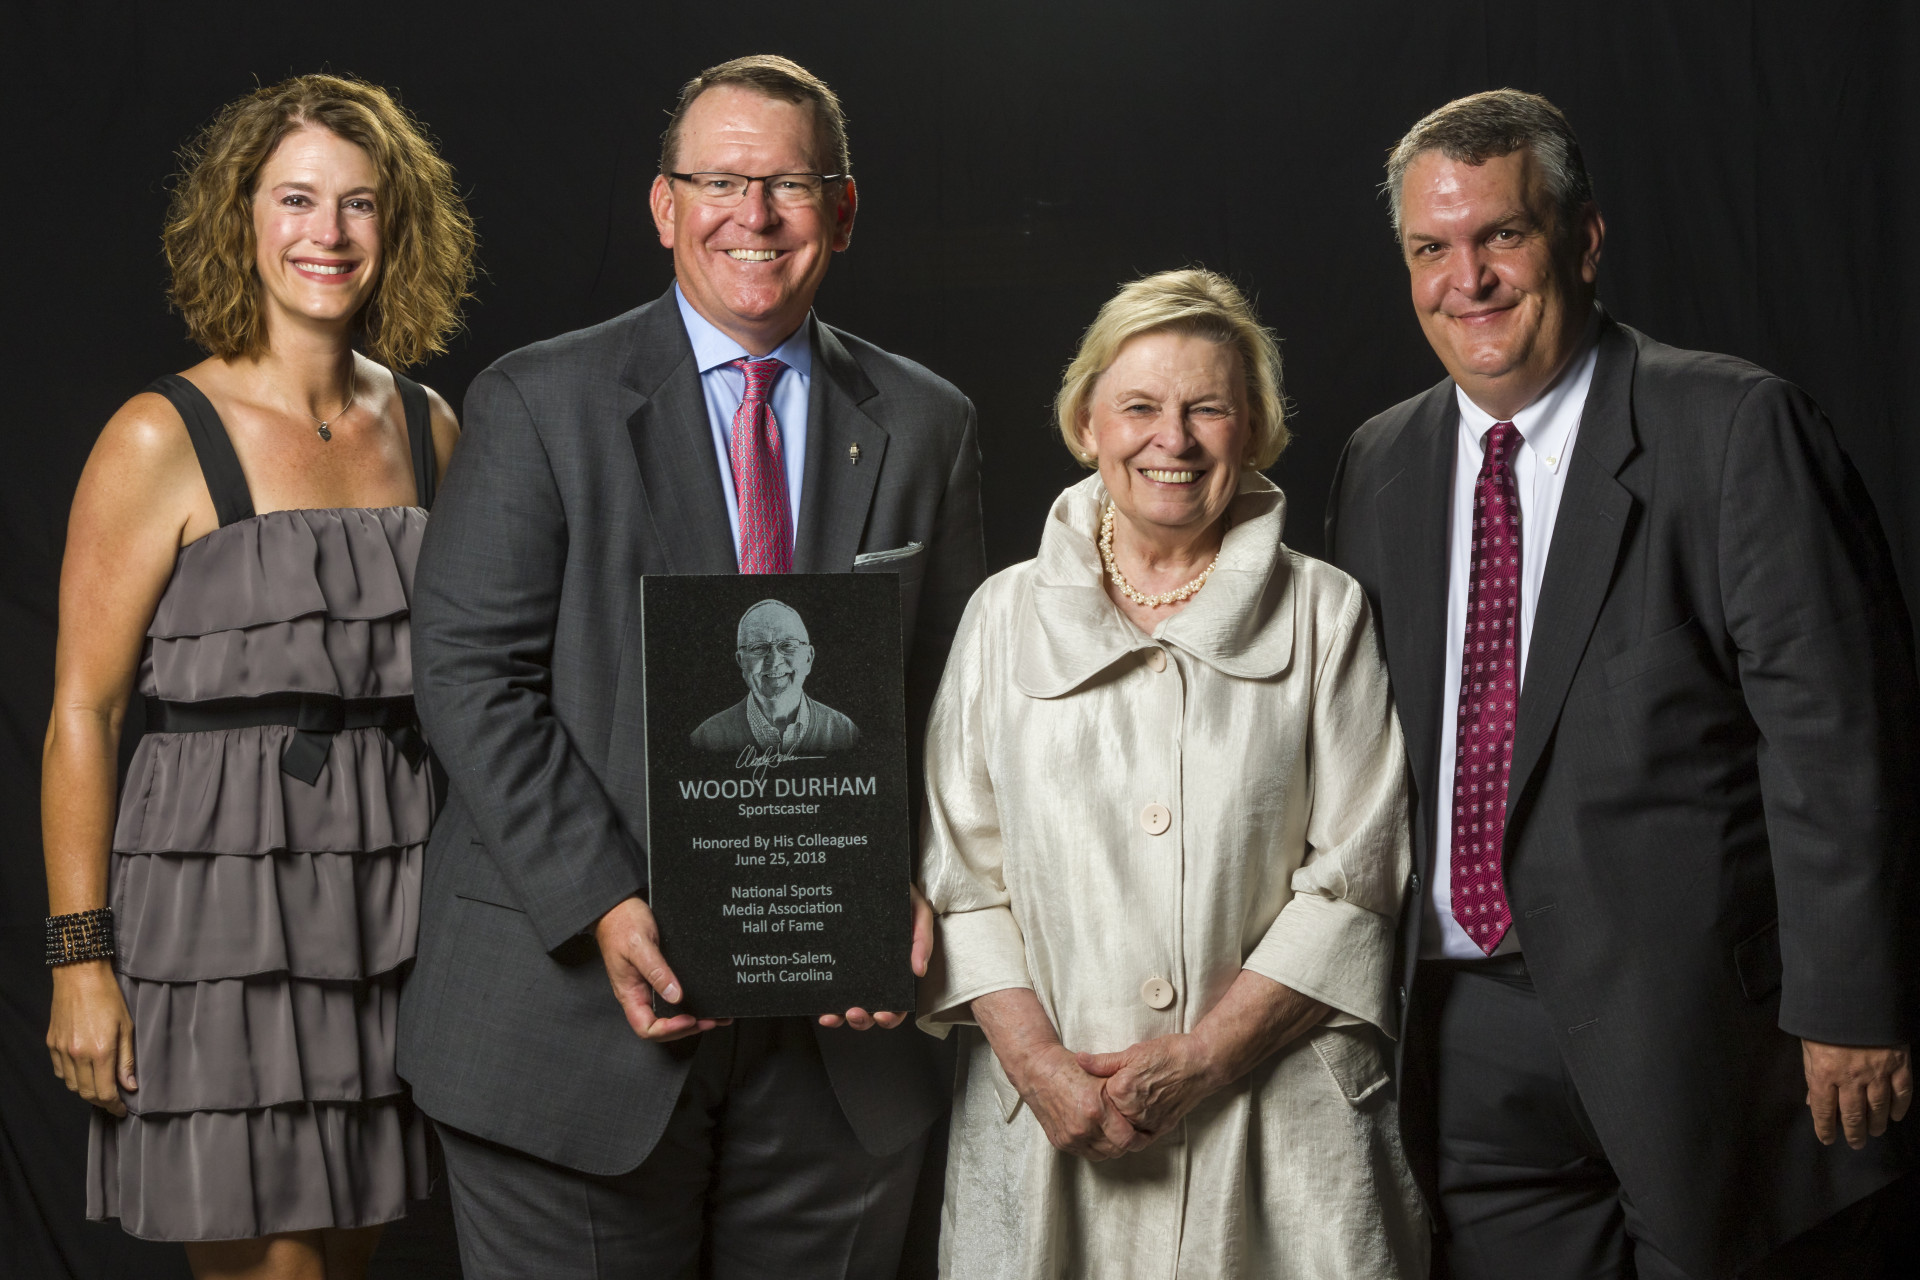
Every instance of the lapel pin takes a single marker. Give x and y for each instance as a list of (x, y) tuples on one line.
[(853, 454)]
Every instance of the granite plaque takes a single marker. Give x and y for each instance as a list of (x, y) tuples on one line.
[(777, 810)]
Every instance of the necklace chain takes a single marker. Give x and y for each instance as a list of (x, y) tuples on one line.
[(324, 427), (1126, 588)]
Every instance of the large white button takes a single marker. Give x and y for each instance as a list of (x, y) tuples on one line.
[(1157, 992), (1156, 818), (1157, 659)]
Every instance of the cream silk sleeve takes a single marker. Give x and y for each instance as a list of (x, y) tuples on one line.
[(1334, 940), (978, 947)]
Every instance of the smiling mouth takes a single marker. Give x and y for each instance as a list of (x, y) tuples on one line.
[(326, 269), (1169, 477), (753, 255)]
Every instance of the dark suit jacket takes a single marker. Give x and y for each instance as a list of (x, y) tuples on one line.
[(1709, 846), (731, 730), (586, 463)]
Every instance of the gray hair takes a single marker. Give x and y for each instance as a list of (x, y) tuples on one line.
[(1499, 122)]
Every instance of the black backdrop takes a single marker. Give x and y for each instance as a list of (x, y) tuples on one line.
[(1756, 159)]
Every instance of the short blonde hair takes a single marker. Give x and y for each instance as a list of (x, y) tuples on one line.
[(1193, 301), (426, 235)]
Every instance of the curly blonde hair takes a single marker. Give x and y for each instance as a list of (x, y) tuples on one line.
[(1195, 301), (426, 234)]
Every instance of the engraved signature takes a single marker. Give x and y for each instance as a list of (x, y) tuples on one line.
[(761, 760)]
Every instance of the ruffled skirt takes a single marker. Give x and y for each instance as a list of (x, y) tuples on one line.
[(263, 929)]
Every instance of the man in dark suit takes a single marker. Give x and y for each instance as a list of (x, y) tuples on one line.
[(718, 428), (1658, 689), (775, 657)]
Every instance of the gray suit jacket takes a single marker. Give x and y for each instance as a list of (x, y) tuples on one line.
[(1710, 818), (586, 463)]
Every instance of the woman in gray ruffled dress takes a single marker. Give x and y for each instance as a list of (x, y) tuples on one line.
[(229, 950)]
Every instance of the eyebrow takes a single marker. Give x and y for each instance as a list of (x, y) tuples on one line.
[(296, 184), (1520, 217)]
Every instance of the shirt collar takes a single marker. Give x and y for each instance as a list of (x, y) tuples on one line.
[(1549, 420), (712, 348), (771, 739)]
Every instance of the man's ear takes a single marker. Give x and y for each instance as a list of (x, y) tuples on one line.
[(660, 200), (844, 208), (1593, 237)]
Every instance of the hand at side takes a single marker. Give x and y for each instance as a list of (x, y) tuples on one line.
[(1856, 1090), (629, 941), (90, 1035)]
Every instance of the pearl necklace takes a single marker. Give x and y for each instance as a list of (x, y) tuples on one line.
[(1126, 588)]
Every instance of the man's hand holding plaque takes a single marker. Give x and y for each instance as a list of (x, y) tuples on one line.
[(629, 942)]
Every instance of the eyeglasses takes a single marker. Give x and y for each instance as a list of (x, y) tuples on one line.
[(789, 190), (759, 653)]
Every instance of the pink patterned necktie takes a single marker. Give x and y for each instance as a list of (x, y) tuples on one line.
[(760, 474), (1489, 694)]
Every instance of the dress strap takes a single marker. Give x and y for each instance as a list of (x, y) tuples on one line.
[(232, 499), (413, 399)]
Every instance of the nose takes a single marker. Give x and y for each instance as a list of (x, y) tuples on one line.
[(756, 210), (1471, 273), (1175, 435), (328, 228)]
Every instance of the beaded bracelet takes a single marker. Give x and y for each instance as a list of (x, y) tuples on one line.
[(84, 935)]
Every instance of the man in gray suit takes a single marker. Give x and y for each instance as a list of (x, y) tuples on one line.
[(1658, 689), (718, 428)]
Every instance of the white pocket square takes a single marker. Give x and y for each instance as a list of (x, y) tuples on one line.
[(882, 557)]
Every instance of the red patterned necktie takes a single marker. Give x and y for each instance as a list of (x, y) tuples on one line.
[(760, 474), (1489, 694)]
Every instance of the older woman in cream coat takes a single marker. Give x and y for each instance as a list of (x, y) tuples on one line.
[(1167, 841)]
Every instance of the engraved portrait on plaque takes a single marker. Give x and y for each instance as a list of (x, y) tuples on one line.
[(776, 716)]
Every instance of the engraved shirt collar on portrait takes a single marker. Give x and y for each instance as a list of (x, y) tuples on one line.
[(769, 738)]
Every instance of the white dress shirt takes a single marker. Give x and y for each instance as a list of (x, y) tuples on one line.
[(725, 388), (1547, 429)]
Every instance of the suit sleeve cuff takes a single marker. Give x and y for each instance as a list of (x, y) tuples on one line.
[(975, 952), (1335, 952)]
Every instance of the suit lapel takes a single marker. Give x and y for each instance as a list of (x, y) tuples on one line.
[(836, 491), (1580, 564), (673, 445), (1411, 511)]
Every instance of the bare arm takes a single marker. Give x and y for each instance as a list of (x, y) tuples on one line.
[(139, 498)]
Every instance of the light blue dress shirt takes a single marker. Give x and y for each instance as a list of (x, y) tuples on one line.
[(724, 389)]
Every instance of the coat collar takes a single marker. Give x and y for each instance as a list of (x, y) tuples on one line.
[(836, 490), (1241, 622), (666, 415), (1587, 535)]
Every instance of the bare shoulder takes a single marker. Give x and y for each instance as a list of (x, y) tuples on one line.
[(446, 426), (144, 442)]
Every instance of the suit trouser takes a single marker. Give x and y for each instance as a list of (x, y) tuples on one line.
[(1526, 1190), (758, 1174)]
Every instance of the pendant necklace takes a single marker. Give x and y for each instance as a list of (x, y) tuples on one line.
[(324, 427)]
